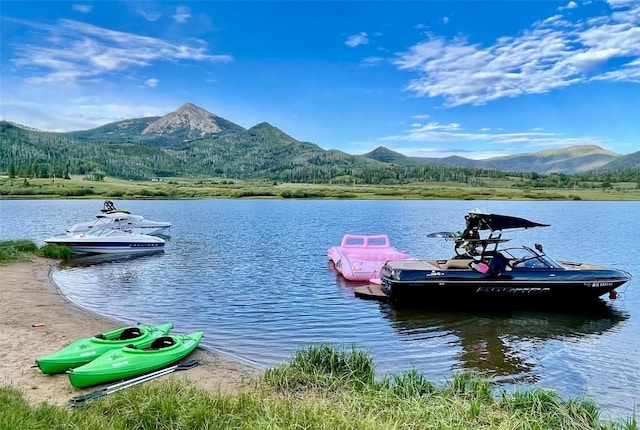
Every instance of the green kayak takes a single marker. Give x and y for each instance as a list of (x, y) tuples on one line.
[(134, 360), (82, 351)]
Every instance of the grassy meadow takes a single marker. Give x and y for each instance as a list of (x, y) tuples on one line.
[(194, 188)]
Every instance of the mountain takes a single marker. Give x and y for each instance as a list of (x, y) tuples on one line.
[(260, 152), (385, 155), (575, 159), (189, 122), (629, 161), (161, 147)]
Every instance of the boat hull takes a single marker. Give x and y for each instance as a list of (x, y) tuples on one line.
[(112, 244), (83, 351), (432, 285), (127, 362), (109, 248)]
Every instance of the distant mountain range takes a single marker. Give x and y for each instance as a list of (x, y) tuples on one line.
[(193, 141), (575, 159)]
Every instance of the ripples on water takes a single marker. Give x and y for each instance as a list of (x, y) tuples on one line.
[(255, 277)]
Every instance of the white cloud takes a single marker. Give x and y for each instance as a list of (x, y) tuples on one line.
[(151, 83), (72, 51), (570, 5), (82, 8), (357, 39), (553, 53), (62, 113), (620, 3), (182, 15)]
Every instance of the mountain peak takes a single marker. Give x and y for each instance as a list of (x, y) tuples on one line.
[(189, 119), (188, 106)]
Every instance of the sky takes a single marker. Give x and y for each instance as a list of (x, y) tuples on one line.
[(477, 79)]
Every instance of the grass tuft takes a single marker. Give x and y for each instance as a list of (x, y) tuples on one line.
[(323, 367), (23, 250)]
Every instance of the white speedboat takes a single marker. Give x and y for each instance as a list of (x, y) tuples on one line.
[(108, 241), (120, 219)]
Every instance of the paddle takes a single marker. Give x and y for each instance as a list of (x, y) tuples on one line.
[(82, 399)]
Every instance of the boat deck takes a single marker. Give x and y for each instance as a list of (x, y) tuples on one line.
[(462, 264)]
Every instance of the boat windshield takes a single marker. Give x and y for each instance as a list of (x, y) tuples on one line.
[(527, 258), (100, 231)]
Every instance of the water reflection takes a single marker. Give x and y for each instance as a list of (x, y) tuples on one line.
[(498, 344), (97, 259)]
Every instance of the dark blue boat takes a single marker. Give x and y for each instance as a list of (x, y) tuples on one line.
[(484, 271)]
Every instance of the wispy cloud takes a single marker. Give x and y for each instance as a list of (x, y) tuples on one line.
[(82, 8), (553, 53), (443, 136), (357, 40), (73, 51), (182, 15), (149, 15)]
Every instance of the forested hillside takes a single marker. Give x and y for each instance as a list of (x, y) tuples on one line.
[(262, 153)]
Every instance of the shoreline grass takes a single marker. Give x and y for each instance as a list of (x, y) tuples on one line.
[(319, 388), (23, 249)]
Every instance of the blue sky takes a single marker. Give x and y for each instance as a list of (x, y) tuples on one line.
[(427, 78)]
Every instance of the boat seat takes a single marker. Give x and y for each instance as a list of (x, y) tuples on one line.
[(130, 333), (498, 264), (462, 264), (162, 342)]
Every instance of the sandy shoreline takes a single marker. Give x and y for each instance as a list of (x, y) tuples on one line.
[(29, 296)]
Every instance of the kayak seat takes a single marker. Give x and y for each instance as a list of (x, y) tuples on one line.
[(161, 342), (130, 333)]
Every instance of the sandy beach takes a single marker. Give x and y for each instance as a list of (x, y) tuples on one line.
[(28, 297)]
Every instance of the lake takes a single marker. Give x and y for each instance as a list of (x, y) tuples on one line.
[(255, 277)]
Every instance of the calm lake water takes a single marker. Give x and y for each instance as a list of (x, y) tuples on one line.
[(254, 275)]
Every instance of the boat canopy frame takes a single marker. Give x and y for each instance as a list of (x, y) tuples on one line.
[(470, 245)]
